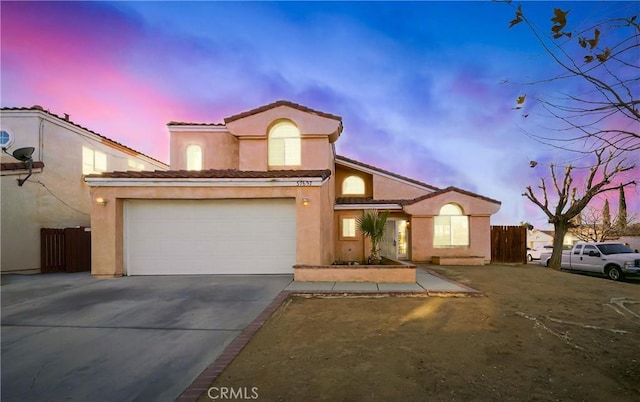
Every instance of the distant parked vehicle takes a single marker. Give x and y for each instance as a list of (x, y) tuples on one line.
[(533, 254), (615, 260), (536, 253)]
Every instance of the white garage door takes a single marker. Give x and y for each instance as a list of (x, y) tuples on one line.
[(179, 237)]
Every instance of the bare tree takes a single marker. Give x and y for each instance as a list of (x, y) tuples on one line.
[(602, 60), (593, 226), (569, 202)]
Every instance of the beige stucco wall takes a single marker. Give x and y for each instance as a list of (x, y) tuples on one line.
[(313, 222), (422, 245), (385, 188), (422, 223), (348, 249), (315, 154), (316, 133), (219, 148), (55, 197), (326, 200)]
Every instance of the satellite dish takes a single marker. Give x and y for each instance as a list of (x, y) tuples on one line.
[(23, 154)]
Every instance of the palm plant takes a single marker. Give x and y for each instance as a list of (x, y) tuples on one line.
[(372, 225)]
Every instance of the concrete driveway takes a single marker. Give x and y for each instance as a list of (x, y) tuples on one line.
[(72, 337)]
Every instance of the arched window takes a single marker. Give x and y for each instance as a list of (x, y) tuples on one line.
[(284, 144), (353, 185), (451, 227), (194, 157)]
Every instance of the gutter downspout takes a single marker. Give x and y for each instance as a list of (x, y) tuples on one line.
[(41, 139)]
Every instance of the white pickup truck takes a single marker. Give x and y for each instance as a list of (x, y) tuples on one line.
[(615, 260)]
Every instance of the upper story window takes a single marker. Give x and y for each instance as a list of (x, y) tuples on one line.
[(135, 165), (194, 157), (6, 139), (284, 145), (353, 185), (93, 161), (451, 227)]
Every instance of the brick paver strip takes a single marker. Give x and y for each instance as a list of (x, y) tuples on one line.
[(211, 373)]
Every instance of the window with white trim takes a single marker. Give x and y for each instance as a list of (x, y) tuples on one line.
[(348, 228), (194, 157), (450, 227), (353, 185), (93, 161), (284, 144)]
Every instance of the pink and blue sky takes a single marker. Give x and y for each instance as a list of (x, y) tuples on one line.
[(419, 85)]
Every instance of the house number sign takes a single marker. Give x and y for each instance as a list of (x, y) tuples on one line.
[(304, 183)]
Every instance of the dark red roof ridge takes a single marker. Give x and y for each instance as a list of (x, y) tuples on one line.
[(281, 102), (213, 174), (6, 166), (405, 178), (65, 119), (186, 123)]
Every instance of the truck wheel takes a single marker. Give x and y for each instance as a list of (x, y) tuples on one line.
[(615, 274)]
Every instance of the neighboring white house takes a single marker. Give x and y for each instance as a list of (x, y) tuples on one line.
[(55, 195), (631, 241), (537, 239)]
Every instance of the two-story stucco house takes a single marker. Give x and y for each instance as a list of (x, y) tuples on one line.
[(55, 195), (264, 191)]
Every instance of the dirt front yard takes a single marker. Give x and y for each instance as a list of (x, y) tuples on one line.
[(534, 334)]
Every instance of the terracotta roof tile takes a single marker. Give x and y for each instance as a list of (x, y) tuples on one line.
[(186, 123), (214, 174), (456, 189), (408, 179), (281, 103), (66, 119), (20, 165), (367, 200)]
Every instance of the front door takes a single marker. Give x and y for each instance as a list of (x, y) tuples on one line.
[(388, 246), (401, 238)]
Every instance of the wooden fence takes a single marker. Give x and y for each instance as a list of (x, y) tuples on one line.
[(509, 244), (65, 250)]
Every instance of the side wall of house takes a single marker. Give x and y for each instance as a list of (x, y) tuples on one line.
[(56, 196), (219, 148), (478, 210)]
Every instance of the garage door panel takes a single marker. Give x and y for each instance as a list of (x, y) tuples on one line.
[(165, 237)]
